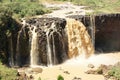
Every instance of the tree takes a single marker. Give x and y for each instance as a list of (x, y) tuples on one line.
[(0, 0)]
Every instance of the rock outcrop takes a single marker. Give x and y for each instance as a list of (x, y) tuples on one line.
[(49, 40)]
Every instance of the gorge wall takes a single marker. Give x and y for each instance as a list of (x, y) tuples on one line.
[(104, 30), (62, 38), (107, 36), (50, 41), (44, 40)]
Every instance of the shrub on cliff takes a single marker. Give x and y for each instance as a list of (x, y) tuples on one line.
[(10, 12), (60, 77), (115, 72)]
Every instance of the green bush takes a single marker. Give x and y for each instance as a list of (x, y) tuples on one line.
[(39, 78), (60, 77), (115, 72), (7, 73), (24, 9)]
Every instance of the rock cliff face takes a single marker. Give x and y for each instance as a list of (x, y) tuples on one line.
[(107, 36), (50, 41), (46, 41), (103, 29), (8, 35), (53, 40)]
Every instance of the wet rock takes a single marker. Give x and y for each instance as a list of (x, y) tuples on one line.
[(91, 72), (91, 66), (21, 76), (102, 69), (31, 77), (18, 74), (76, 78), (41, 26), (66, 72), (37, 70)]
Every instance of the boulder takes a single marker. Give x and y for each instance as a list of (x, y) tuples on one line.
[(37, 70), (91, 66)]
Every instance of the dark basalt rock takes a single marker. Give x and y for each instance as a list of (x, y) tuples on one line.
[(104, 30), (107, 32), (57, 37)]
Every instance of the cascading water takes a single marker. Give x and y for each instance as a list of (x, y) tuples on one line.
[(34, 53), (92, 27), (55, 46), (17, 49), (49, 53), (52, 41), (11, 63), (78, 39), (51, 48), (62, 40)]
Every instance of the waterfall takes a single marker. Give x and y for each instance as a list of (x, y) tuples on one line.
[(49, 53), (18, 54), (34, 53), (92, 27), (11, 63), (52, 42), (54, 51), (17, 49), (79, 41)]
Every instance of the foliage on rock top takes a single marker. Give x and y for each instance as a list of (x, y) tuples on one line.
[(24, 9), (60, 77)]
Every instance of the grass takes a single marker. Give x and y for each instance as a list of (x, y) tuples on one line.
[(23, 8), (115, 72), (60, 77), (7, 73), (99, 6)]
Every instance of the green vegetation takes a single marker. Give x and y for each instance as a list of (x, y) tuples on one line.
[(8, 25), (7, 73), (24, 9), (115, 72), (10, 12), (99, 6), (60, 77), (39, 78)]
